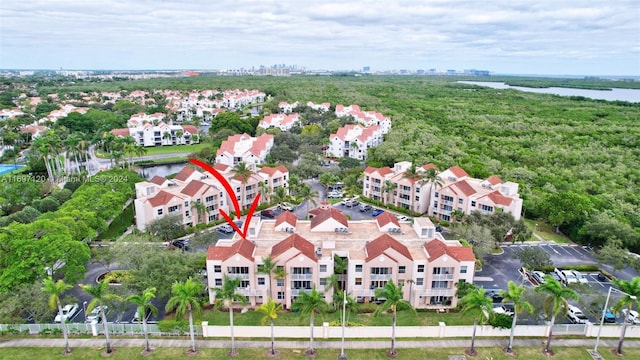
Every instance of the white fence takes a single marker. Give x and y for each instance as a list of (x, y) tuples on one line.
[(441, 331), (94, 329)]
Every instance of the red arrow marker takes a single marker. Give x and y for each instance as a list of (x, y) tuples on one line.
[(232, 196)]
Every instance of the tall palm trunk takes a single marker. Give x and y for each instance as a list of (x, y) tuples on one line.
[(146, 333), (512, 333), (233, 340), (393, 334), (106, 330), (313, 351), (65, 332), (622, 333), (473, 337), (193, 339), (273, 340), (548, 347)]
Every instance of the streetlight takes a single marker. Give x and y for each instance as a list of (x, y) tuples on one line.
[(624, 322), (342, 355), (604, 311), (84, 307)]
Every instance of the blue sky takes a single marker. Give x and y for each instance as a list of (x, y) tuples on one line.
[(518, 37)]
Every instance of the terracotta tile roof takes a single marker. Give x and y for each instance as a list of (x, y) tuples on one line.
[(429, 166), (436, 249), (499, 199), (221, 167), (184, 174), (494, 180), (382, 243), (158, 180), (120, 132), (295, 241), (272, 170), (242, 247), (464, 186), (385, 218), (381, 171), (190, 129), (287, 217), (162, 198), (193, 187), (326, 214), (458, 172)]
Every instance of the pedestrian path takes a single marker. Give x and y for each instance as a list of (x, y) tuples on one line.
[(302, 344)]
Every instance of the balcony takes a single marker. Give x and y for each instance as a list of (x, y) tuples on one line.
[(250, 292), (364, 293), (238, 276), (442, 277), (301, 277), (296, 292), (438, 292), (446, 202), (380, 277)]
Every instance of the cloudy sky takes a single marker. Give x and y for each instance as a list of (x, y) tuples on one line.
[(575, 37)]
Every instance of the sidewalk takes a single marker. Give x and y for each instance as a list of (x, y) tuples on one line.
[(302, 344)]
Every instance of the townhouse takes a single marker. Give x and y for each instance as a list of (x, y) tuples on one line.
[(366, 118), (284, 122), (145, 133), (377, 251), (285, 107), (244, 148), (454, 191), (183, 194), (354, 141), (10, 113), (323, 107)]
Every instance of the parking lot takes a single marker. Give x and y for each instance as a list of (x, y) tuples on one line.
[(499, 269)]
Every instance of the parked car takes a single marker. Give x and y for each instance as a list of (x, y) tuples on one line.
[(494, 295), (285, 206), (580, 276), (181, 244), (538, 276), (377, 212), (334, 194), (566, 276), (136, 316), (68, 311), (268, 213), (351, 203), (364, 207), (506, 309), (402, 218), (555, 276), (575, 315), (608, 316), (94, 315), (632, 317), (225, 228)]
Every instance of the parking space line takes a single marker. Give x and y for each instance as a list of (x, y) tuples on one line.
[(554, 250)]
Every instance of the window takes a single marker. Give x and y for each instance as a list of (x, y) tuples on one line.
[(159, 211), (323, 268), (463, 269), (323, 281), (209, 199), (417, 190), (439, 284), (358, 268), (473, 203), (217, 268), (173, 208), (460, 201), (420, 268), (279, 282), (280, 295), (358, 281), (486, 208), (218, 282), (420, 281), (186, 213), (261, 281), (400, 282), (186, 204), (436, 194), (402, 269)]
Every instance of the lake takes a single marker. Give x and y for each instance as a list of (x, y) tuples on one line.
[(161, 170), (630, 95)]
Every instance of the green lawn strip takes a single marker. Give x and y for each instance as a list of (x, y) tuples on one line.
[(561, 353), (118, 225), (172, 149), (545, 231)]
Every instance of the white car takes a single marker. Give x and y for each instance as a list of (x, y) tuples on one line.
[(402, 218), (580, 276), (506, 309), (576, 316), (285, 206), (225, 228), (68, 311), (334, 194), (94, 315), (633, 316)]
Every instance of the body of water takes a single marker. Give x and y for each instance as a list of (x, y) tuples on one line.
[(631, 95), (7, 168), (161, 170)]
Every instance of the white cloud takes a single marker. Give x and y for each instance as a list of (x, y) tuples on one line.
[(332, 34)]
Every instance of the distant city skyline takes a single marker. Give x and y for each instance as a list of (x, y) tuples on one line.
[(504, 37)]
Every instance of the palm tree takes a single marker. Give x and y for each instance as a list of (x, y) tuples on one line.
[(227, 295), (55, 290), (326, 179), (268, 267), (388, 186), (279, 195), (270, 310), (477, 300), (264, 191), (201, 208), (351, 306), (243, 172), (393, 296), (514, 295), (308, 304), (166, 136), (308, 195), (340, 266), (431, 177), (179, 134), (140, 151), (143, 301), (280, 274), (186, 297), (101, 295), (631, 298), (557, 296)]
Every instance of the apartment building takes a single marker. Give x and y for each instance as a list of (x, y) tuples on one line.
[(366, 118), (244, 148), (145, 133), (323, 107), (283, 122), (399, 187), (285, 107), (378, 251), (354, 141), (182, 194), (458, 191)]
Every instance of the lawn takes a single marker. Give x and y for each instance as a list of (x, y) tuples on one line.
[(561, 353), (545, 231), (172, 149), (119, 225), (287, 318)]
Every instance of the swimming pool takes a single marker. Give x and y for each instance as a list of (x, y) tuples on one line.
[(7, 168)]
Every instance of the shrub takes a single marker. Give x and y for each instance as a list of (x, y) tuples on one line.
[(174, 326), (348, 323), (501, 321), (367, 308)]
